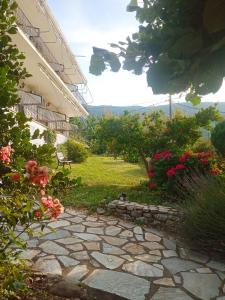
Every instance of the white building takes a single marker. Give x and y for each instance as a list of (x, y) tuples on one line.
[(52, 94)]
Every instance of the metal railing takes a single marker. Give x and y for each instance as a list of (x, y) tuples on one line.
[(29, 98), (34, 35), (31, 105)]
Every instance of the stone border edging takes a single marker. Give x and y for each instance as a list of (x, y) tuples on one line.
[(162, 217)]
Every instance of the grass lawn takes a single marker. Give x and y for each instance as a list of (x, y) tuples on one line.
[(106, 178)]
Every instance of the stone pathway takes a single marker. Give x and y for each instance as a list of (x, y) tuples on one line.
[(120, 260)]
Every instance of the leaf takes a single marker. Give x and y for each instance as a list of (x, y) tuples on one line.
[(187, 45), (97, 65), (214, 15), (193, 98)]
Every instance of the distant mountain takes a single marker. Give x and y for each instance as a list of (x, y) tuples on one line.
[(119, 110)]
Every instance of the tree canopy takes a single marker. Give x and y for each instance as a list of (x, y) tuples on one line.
[(180, 45)]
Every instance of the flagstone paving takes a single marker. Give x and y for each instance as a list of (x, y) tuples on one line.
[(118, 260)]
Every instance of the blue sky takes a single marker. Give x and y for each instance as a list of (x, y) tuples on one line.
[(88, 23)]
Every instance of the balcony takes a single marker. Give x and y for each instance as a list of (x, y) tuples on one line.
[(33, 33), (33, 106)]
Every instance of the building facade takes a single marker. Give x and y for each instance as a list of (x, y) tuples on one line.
[(53, 93)]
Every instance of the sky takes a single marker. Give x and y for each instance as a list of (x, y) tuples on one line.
[(88, 23)]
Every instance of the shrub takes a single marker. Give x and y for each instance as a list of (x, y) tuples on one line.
[(49, 136), (169, 168), (76, 151), (203, 145), (218, 138), (205, 211)]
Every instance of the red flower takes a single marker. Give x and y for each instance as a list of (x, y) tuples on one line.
[(165, 154), (215, 171), (184, 157), (180, 166), (203, 155), (204, 161), (15, 177), (171, 172), (151, 173), (37, 214), (151, 186)]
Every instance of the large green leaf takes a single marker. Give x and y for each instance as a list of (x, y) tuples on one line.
[(187, 45), (97, 65)]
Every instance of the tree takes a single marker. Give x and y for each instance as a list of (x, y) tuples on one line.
[(180, 45), (142, 136)]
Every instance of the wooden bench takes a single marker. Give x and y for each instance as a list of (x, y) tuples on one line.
[(62, 161)]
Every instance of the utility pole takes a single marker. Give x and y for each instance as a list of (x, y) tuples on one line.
[(170, 107)]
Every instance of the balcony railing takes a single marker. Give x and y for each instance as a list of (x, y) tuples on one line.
[(33, 34), (75, 91), (32, 106)]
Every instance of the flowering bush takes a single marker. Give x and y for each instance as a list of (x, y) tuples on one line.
[(23, 199), (168, 168)]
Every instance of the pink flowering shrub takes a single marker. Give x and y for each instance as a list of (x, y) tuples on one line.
[(24, 199), (167, 168)]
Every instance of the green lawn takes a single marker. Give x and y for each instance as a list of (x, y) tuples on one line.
[(106, 178)]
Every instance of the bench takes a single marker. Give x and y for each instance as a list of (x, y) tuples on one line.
[(62, 161)]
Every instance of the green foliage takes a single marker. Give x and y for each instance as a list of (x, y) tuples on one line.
[(218, 138), (205, 212), (20, 198), (76, 151), (139, 137), (180, 45), (203, 145), (49, 136), (87, 131), (12, 281)]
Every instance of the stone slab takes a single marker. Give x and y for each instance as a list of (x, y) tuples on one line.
[(170, 294), (203, 286), (111, 285), (109, 261)]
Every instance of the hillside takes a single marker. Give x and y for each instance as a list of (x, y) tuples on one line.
[(118, 110)]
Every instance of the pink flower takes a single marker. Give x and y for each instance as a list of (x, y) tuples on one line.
[(39, 176), (15, 177), (47, 202), (151, 186), (53, 208), (180, 166), (42, 193), (30, 166), (5, 153), (171, 172)]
